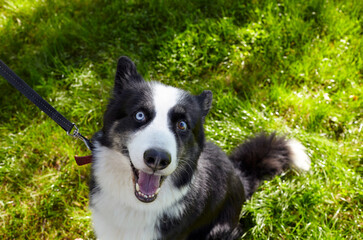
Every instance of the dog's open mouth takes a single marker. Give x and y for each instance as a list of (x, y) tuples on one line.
[(147, 186)]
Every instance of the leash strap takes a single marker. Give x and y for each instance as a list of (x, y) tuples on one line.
[(33, 96), (43, 105)]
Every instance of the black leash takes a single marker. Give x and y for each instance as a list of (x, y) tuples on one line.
[(43, 105)]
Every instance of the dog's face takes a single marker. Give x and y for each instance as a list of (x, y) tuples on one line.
[(157, 128)]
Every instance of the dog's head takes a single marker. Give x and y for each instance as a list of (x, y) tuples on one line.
[(158, 128)]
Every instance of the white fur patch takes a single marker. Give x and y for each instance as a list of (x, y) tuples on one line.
[(157, 134), (299, 158)]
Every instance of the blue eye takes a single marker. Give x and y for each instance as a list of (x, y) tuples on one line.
[(182, 125), (140, 116)]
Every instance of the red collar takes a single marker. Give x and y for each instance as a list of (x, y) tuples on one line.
[(83, 160)]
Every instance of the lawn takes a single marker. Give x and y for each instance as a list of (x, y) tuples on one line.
[(289, 66)]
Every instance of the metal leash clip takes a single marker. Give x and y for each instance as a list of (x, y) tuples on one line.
[(77, 134)]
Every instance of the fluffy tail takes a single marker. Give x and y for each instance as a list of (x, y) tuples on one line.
[(264, 156)]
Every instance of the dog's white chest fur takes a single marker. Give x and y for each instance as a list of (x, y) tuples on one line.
[(117, 222)]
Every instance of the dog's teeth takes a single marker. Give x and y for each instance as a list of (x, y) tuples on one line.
[(145, 195)]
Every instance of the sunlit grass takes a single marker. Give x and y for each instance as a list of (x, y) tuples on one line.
[(286, 66)]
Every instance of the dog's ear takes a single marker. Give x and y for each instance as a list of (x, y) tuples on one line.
[(205, 101), (126, 74)]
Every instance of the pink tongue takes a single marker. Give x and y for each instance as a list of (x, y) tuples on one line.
[(148, 183)]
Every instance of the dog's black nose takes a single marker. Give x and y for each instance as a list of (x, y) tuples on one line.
[(157, 159)]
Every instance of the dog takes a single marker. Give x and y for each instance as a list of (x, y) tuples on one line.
[(154, 175)]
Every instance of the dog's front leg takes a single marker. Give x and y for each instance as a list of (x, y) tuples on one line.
[(224, 231)]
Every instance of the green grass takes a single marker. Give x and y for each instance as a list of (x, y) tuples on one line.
[(285, 65)]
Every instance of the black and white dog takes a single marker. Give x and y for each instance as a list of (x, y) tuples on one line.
[(154, 176)]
